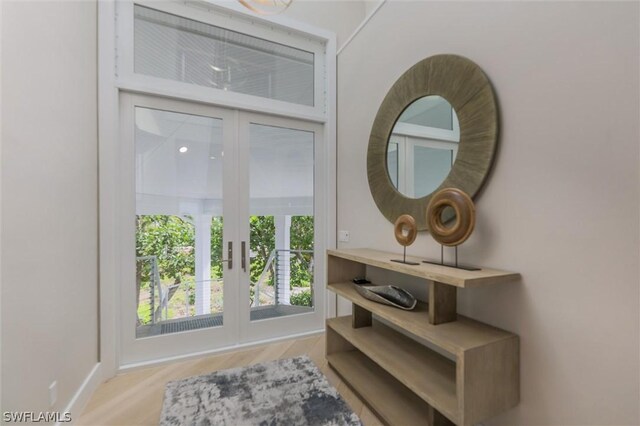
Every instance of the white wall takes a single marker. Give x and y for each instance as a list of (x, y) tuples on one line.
[(562, 204), (371, 5), (49, 205), (341, 17)]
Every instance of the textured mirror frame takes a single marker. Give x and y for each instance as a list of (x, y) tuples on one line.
[(465, 86)]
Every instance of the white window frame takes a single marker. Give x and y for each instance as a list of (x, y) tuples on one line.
[(408, 136), (116, 76), (215, 14), (426, 132)]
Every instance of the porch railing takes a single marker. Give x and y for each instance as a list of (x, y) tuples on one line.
[(287, 274), (280, 266)]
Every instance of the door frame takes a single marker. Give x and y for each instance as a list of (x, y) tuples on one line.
[(237, 328), (110, 87)]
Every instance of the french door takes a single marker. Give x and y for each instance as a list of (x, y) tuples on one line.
[(282, 221), (219, 228)]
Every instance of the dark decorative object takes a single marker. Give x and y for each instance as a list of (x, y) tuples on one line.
[(405, 223), (463, 220), (388, 295)]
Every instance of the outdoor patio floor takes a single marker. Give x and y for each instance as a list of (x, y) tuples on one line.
[(215, 320)]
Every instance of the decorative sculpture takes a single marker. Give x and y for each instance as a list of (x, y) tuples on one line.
[(464, 220), (388, 295), (405, 223)]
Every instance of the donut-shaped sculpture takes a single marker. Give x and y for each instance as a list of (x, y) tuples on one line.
[(407, 222), (463, 222)]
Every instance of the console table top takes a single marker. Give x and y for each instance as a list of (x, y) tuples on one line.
[(443, 274)]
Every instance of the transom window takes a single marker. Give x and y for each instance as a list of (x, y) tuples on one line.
[(175, 48)]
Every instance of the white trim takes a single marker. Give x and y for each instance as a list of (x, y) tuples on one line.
[(331, 138), (80, 399), (1, 410), (148, 85), (361, 26), (431, 143), (161, 361), (424, 132), (401, 156), (108, 190)]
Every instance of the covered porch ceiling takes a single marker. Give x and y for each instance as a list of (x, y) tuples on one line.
[(179, 166)]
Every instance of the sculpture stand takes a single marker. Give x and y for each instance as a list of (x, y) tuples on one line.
[(455, 265), (404, 258)]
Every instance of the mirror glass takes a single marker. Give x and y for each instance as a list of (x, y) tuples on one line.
[(423, 146)]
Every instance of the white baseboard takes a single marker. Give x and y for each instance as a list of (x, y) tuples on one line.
[(160, 361), (83, 394)]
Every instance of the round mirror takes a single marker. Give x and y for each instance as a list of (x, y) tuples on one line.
[(423, 146), (436, 128)]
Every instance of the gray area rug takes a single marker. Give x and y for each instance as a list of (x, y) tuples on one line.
[(284, 392)]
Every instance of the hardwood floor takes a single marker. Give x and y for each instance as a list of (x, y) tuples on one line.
[(135, 398)]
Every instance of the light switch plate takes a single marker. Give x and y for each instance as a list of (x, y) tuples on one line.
[(343, 236)]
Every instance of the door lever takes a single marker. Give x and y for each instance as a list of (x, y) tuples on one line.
[(243, 256), (229, 255)]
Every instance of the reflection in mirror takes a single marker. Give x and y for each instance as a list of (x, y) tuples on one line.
[(423, 146), (447, 216)]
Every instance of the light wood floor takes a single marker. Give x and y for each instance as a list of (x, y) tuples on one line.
[(135, 398)]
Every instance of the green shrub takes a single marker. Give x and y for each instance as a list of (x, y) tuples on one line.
[(144, 313), (302, 299)]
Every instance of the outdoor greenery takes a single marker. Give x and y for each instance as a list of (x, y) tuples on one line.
[(302, 239), (144, 313), (171, 239), (302, 299), (216, 248), (262, 240)]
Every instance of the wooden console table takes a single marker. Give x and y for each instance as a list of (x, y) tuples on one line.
[(403, 381)]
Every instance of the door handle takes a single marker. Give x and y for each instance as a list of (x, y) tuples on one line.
[(243, 256), (229, 255)]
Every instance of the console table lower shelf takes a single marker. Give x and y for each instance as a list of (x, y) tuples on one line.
[(404, 382), (388, 399), (378, 364)]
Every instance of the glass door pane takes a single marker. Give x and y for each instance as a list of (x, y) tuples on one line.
[(179, 224), (203, 185), (281, 221)]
